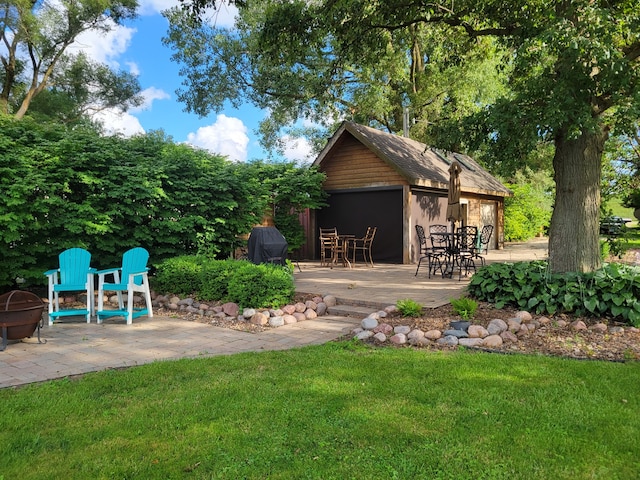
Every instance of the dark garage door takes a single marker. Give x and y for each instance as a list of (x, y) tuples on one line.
[(353, 212)]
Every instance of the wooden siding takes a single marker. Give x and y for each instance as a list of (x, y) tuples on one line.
[(350, 164)]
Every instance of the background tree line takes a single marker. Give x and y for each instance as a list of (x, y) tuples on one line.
[(75, 187)]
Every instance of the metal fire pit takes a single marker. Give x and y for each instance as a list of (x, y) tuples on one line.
[(20, 315)]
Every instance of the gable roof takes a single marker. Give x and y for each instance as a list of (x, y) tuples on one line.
[(418, 163)]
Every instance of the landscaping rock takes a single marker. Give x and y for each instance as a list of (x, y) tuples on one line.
[(433, 334), (524, 316), (404, 329), (456, 333), (369, 323), (289, 309), (415, 335), (497, 326), (460, 325), (383, 328), (493, 341), (449, 340), (330, 300), (321, 309), (289, 319), (471, 342), (230, 309), (508, 336), (380, 337), (599, 327), (477, 331), (365, 334), (276, 321), (578, 325), (259, 318)]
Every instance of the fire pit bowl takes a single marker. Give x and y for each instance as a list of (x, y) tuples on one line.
[(20, 315)]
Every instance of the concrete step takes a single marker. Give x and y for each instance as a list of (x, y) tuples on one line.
[(355, 308)]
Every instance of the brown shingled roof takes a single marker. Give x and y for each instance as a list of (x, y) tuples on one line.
[(420, 164)]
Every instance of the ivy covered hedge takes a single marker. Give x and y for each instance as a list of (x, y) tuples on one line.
[(239, 281), (613, 291), (64, 188)]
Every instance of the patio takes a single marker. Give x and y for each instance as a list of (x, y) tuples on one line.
[(384, 284), (77, 347)]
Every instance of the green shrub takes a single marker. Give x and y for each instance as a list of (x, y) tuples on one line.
[(261, 286), (612, 291), (409, 308), (214, 279), (464, 306), (181, 275)]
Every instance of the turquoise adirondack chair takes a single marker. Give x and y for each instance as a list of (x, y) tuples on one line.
[(74, 274), (132, 277)]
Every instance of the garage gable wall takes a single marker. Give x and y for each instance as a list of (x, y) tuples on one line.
[(350, 164)]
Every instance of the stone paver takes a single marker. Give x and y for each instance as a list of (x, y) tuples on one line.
[(77, 348)]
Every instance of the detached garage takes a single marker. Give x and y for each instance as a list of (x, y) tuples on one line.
[(380, 179)]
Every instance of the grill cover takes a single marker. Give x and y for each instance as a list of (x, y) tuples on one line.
[(267, 245)]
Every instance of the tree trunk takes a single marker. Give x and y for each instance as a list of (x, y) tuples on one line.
[(574, 242)]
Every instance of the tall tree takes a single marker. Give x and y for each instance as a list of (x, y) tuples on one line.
[(36, 35)]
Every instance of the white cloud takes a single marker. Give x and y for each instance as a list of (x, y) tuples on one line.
[(105, 47), (133, 68), (223, 16), (297, 149), (150, 94), (122, 123), (227, 136), (126, 123)]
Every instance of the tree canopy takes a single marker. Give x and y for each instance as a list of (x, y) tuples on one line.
[(500, 78), (36, 37)]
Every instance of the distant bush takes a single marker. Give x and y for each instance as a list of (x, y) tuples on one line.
[(528, 212)]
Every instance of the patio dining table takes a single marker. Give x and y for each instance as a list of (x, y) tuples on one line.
[(341, 249), (460, 252)]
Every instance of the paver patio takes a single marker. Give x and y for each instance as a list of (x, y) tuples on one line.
[(74, 347)]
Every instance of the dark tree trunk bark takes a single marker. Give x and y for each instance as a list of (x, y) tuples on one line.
[(574, 242)]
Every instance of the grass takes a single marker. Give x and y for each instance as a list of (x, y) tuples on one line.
[(615, 205), (335, 411)]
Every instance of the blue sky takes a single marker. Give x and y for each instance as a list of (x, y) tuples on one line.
[(137, 48)]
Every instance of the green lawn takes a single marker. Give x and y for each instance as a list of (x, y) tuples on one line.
[(335, 411)]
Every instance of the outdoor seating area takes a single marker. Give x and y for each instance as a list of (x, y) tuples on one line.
[(75, 275), (344, 249), (446, 251)]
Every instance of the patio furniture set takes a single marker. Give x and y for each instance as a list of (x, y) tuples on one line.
[(75, 274), (446, 251), (340, 248)]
